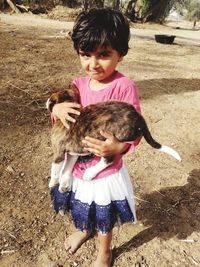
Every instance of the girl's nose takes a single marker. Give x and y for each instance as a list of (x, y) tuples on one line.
[(93, 62)]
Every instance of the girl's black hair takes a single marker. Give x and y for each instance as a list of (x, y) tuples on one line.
[(101, 28)]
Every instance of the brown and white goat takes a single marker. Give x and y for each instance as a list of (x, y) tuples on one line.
[(119, 118)]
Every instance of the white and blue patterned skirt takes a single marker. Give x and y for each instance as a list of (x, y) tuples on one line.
[(98, 204)]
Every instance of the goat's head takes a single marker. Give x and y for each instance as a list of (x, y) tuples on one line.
[(69, 95)]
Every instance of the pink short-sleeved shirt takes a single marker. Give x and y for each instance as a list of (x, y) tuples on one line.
[(120, 89)]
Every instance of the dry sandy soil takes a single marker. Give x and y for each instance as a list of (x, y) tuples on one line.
[(38, 59)]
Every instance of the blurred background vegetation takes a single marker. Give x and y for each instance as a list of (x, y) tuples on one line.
[(135, 10)]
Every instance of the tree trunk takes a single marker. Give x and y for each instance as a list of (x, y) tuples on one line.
[(130, 10), (156, 10), (87, 4), (13, 7), (69, 3), (116, 4)]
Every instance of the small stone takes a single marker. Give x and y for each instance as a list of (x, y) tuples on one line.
[(10, 169)]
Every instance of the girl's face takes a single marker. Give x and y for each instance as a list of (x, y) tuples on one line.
[(100, 64)]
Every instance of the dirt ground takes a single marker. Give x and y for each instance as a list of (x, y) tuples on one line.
[(36, 60)]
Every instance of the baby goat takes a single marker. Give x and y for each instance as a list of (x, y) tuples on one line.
[(119, 118)]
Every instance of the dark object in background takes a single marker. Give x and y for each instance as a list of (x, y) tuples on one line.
[(39, 10), (164, 39)]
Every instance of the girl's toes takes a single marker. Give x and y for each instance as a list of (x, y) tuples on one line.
[(67, 245)]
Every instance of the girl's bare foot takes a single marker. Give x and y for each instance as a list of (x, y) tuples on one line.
[(74, 241), (103, 259)]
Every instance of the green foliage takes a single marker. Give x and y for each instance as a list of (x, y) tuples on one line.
[(193, 8), (155, 10), (145, 6), (144, 10), (25, 2)]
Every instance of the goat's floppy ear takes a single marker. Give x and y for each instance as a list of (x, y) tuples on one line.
[(69, 95), (74, 92), (48, 104), (52, 101)]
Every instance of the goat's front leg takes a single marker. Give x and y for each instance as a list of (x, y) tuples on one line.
[(55, 172), (65, 179)]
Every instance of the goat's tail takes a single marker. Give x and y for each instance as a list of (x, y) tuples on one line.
[(149, 139), (170, 151)]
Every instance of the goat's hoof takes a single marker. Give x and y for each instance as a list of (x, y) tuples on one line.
[(63, 189), (53, 182), (52, 185)]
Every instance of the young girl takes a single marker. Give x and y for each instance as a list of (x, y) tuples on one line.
[(100, 37)]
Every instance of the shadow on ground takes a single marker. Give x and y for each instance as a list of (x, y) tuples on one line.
[(155, 87), (168, 213)]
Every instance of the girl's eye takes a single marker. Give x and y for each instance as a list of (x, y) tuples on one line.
[(103, 54), (85, 55)]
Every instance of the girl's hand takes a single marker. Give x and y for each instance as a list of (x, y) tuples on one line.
[(111, 146), (63, 110)]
